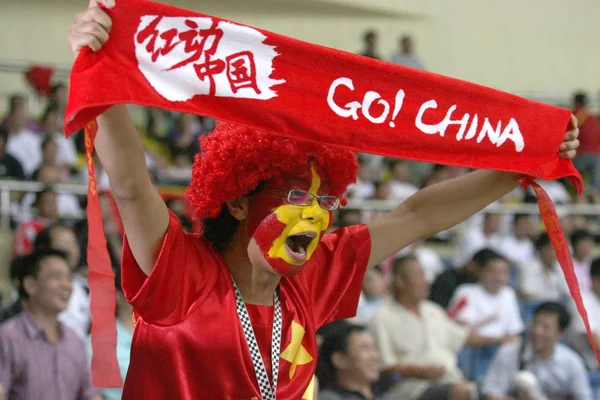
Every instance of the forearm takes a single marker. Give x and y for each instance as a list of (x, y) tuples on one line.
[(121, 152), (406, 370), (448, 203), (477, 340)]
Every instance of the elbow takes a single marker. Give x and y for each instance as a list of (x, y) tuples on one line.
[(128, 189)]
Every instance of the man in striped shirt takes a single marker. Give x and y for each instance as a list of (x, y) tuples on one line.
[(40, 359)]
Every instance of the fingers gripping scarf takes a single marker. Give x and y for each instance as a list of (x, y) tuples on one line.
[(162, 56)]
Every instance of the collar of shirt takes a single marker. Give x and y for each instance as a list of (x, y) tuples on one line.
[(34, 329), (348, 393), (530, 356)]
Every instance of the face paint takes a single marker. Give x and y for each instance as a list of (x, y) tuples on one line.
[(288, 236)]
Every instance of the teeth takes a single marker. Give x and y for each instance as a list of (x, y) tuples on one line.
[(301, 251)]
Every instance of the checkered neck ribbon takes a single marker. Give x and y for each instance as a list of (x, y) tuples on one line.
[(267, 391)]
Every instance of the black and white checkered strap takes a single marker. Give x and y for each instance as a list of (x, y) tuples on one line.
[(266, 391)]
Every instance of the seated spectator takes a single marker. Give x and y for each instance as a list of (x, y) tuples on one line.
[(158, 123), (439, 173), (364, 187), (50, 159), (77, 315), (180, 169), (124, 338), (476, 238), (18, 102), (23, 143), (583, 245), (375, 162), (489, 307), (101, 176), (184, 136), (400, 186), (67, 203), (406, 56), (539, 367), (66, 153), (41, 358), (577, 337), (541, 278), (10, 167), (374, 291), (517, 246), (16, 272), (350, 354), (556, 191), (447, 282), (430, 260), (349, 217), (46, 214), (59, 98), (370, 40), (417, 340)]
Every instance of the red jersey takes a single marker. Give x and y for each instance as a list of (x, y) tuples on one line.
[(25, 236), (188, 342), (589, 131)]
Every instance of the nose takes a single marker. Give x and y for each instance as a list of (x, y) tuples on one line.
[(313, 212)]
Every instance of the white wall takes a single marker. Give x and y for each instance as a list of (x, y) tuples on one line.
[(547, 46)]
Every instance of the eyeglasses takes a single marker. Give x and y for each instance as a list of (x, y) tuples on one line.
[(299, 197)]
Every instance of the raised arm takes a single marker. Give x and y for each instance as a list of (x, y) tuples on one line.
[(120, 150), (446, 204)]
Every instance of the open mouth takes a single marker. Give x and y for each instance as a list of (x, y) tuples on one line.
[(297, 245)]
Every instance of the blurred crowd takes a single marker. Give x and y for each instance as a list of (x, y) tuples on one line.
[(480, 310)]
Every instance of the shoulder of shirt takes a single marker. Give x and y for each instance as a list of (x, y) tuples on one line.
[(509, 350), (71, 335), (329, 394), (508, 291), (11, 327), (467, 288), (429, 305), (388, 306), (565, 353)]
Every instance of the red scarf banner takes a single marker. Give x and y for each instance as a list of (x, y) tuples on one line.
[(166, 57)]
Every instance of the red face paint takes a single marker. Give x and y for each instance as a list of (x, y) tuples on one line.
[(268, 232)]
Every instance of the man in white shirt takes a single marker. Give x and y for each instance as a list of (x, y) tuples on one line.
[(364, 187), (583, 245), (406, 57), (400, 187), (374, 291), (540, 278), (540, 368), (23, 143), (489, 307), (477, 237), (517, 246), (577, 337), (417, 340)]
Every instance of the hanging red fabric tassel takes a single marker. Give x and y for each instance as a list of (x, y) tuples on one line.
[(101, 280), (561, 248)]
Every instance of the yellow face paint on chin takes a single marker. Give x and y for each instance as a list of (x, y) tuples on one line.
[(300, 219)]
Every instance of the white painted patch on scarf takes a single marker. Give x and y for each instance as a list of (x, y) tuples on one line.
[(184, 57)]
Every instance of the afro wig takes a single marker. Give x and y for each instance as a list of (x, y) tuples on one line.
[(235, 160)]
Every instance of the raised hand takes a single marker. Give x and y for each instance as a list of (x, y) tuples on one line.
[(91, 27), (568, 149)]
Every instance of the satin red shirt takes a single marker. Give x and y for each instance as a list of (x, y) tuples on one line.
[(188, 343)]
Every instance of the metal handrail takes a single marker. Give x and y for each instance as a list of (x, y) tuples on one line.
[(9, 186)]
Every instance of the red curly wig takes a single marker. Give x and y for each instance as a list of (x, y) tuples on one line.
[(235, 160)]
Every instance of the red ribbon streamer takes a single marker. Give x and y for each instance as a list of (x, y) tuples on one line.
[(561, 248), (101, 280)]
